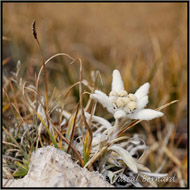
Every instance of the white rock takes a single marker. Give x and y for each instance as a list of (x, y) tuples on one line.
[(50, 167)]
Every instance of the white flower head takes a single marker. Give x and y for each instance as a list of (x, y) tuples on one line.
[(124, 105)]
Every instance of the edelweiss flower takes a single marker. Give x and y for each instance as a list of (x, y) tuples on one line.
[(124, 105)]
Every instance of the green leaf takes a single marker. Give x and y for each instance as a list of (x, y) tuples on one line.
[(20, 173)]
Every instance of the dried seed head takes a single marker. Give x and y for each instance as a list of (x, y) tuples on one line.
[(34, 29), (122, 93), (132, 105), (132, 97)]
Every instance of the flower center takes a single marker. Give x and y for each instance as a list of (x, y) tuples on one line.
[(123, 100)]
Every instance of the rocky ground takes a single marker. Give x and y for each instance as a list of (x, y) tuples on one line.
[(50, 167)]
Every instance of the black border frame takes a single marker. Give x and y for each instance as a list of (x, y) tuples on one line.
[(124, 1)]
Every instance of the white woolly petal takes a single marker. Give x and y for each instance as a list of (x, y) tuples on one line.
[(125, 156), (100, 120), (96, 140), (154, 174), (99, 130), (98, 92), (117, 82), (119, 114), (40, 109), (142, 91), (103, 99), (145, 114), (141, 103), (63, 122)]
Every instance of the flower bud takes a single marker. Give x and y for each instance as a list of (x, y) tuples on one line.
[(132, 105), (113, 93), (122, 93), (132, 97)]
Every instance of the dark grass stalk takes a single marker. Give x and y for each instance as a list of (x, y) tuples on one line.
[(60, 118), (36, 105), (92, 113), (65, 96), (43, 63), (67, 122), (81, 104), (73, 128), (69, 143), (82, 110)]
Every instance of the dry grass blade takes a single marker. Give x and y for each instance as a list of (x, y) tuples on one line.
[(10, 177), (93, 159), (70, 88), (18, 112), (135, 122), (46, 114), (166, 105), (172, 156), (14, 140), (73, 128), (8, 143), (48, 60), (92, 113), (15, 99), (49, 133), (82, 110), (74, 150)]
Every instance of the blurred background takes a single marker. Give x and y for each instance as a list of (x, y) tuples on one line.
[(145, 41)]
